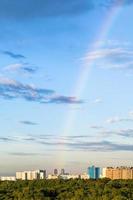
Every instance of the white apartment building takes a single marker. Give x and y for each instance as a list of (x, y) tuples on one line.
[(31, 175), (8, 178), (118, 173), (69, 176), (104, 172)]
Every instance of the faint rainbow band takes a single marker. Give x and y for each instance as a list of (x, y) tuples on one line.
[(84, 74)]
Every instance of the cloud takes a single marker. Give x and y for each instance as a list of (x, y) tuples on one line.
[(32, 139), (75, 143), (121, 66), (65, 100), (6, 139), (125, 133), (98, 100), (96, 127), (91, 146), (115, 58), (131, 113), (107, 146), (28, 123), (11, 89), (80, 142), (44, 138), (29, 69), (21, 67), (29, 9), (13, 55), (118, 119), (27, 154), (112, 54)]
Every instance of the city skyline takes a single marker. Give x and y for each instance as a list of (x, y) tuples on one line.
[(66, 77), (92, 172)]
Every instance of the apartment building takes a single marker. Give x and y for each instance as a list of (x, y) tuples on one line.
[(31, 175), (118, 172)]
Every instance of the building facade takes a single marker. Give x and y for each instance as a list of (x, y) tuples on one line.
[(8, 178), (94, 172), (118, 173), (31, 175)]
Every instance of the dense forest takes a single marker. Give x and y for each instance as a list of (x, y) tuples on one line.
[(103, 189)]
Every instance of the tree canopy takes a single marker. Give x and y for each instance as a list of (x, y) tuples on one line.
[(102, 189)]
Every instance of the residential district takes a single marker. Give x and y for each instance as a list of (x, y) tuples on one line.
[(93, 172)]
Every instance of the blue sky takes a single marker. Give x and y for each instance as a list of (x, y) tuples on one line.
[(66, 76)]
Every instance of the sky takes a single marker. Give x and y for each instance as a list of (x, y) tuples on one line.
[(66, 77)]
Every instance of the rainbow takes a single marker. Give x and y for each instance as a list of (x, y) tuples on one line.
[(85, 72)]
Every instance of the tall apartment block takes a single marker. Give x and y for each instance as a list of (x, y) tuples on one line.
[(118, 172), (94, 172), (31, 175)]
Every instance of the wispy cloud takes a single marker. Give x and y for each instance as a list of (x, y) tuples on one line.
[(90, 146), (96, 127), (21, 67), (78, 143), (113, 54), (105, 146), (14, 55), (6, 139), (11, 89), (126, 133), (28, 123), (131, 113), (22, 154), (64, 99), (115, 58), (118, 119), (96, 101)]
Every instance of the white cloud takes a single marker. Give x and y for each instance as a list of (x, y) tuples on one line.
[(118, 119), (21, 67), (98, 100), (131, 113), (96, 127), (11, 89), (7, 81), (112, 57), (110, 53), (13, 67)]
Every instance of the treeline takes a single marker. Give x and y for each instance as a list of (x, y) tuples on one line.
[(103, 189)]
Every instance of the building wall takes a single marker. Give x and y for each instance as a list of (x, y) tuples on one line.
[(118, 173), (94, 172), (31, 175), (8, 178)]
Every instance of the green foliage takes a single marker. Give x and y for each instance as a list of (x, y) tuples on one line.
[(103, 189)]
